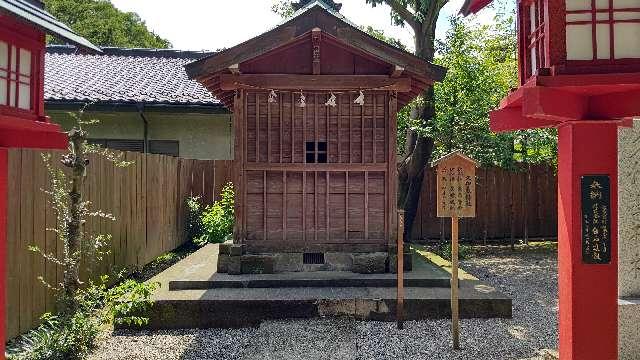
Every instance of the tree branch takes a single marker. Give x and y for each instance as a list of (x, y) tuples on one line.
[(404, 13)]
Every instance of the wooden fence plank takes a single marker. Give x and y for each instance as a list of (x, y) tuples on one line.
[(495, 198)]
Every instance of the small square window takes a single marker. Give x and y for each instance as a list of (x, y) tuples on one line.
[(311, 157), (316, 152), (311, 146)]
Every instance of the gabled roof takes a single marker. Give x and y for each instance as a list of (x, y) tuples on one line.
[(298, 25), (455, 154), (34, 13), (117, 76), (315, 14)]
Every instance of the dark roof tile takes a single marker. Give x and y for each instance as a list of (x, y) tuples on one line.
[(146, 76)]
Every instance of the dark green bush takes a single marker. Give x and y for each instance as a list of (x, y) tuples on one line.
[(72, 337), (444, 251), (218, 219), (58, 338), (193, 221)]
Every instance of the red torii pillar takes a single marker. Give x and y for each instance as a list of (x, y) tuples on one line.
[(587, 115)]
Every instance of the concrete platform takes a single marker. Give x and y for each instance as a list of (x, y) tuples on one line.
[(192, 294), (628, 335)]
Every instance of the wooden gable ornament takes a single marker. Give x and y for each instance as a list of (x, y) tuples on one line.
[(456, 183)]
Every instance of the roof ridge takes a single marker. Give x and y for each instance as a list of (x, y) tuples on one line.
[(134, 52)]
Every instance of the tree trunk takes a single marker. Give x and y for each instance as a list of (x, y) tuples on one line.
[(411, 171), (75, 160)]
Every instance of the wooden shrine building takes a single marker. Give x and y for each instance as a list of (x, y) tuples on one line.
[(314, 103)]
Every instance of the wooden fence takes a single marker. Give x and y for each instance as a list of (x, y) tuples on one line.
[(146, 198), (510, 205)]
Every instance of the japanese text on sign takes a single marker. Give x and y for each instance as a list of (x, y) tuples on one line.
[(596, 224), (456, 190)]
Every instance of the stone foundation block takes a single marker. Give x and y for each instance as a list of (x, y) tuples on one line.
[(257, 264), (370, 263), (234, 266), (286, 262), (338, 261), (236, 250), (225, 248), (223, 263), (407, 265)]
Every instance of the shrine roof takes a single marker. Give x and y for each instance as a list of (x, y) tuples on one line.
[(148, 76), (473, 6), (335, 28), (33, 12)]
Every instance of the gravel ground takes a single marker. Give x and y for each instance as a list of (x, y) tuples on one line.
[(527, 275)]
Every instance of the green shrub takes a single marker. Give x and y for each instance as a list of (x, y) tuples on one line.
[(193, 221), (73, 337), (444, 251), (128, 302), (58, 338), (218, 219)]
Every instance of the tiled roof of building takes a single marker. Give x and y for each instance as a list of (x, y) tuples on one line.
[(146, 76)]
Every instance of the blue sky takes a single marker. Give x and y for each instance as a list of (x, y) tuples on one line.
[(215, 24)]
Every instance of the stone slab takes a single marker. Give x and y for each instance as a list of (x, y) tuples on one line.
[(202, 274), (246, 306), (628, 326)]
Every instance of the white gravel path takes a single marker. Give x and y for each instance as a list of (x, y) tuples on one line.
[(528, 276)]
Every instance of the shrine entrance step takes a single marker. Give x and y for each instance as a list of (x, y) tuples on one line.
[(193, 295)]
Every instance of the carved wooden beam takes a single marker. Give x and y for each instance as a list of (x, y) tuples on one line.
[(316, 37)]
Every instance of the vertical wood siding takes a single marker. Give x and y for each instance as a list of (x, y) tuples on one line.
[(510, 205), (147, 199), (294, 205)]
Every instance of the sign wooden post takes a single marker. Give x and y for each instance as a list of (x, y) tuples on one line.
[(456, 198)]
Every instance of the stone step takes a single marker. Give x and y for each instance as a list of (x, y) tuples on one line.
[(247, 307), (319, 279)]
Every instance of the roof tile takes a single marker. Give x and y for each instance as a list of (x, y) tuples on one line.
[(123, 75)]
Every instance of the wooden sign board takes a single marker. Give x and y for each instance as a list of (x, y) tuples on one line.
[(596, 219), (456, 182)]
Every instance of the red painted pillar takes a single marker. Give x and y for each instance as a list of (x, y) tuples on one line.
[(3, 246), (587, 293)]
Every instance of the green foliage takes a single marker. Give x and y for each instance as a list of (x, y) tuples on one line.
[(282, 8), (71, 337), (128, 302), (58, 338), (482, 69), (444, 251), (103, 24), (193, 222), (218, 219), (379, 34)]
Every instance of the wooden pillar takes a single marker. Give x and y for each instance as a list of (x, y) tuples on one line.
[(588, 293), (238, 166)]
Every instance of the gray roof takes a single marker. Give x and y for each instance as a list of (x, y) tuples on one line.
[(145, 76), (33, 12)]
